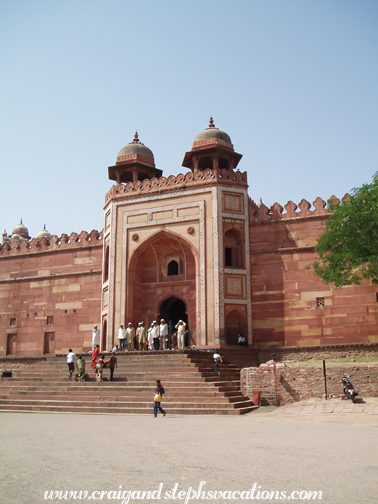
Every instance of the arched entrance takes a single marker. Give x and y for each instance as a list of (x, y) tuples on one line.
[(173, 309)]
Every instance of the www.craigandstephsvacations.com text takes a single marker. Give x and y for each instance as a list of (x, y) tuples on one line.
[(255, 492)]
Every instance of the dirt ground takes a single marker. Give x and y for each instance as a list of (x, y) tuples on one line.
[(299, 447)]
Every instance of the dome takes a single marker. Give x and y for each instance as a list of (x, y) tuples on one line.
[(43, 234), (16, 237), (21, 230), (136, 147), (212, 132)]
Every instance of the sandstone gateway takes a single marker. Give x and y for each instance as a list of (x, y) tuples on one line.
[(193, 247)]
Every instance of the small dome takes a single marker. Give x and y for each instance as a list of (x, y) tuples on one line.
[(212, 132), (21, 230), (136, 147), (44, 234), (16, 237)]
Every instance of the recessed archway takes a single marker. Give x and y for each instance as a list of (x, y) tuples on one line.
[(154, 292), (235, 324)]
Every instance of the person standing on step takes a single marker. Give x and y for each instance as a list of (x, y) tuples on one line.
[(121, 336), (130, 335), (95, 337), (71, 359), (155, 335), (171, 330), (112, 363), (95, 354), (217, 359), (181, 327), (142, 334), (80, 364), (163, 335), (159, 391)]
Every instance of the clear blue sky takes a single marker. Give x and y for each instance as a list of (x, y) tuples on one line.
[(293, 82)]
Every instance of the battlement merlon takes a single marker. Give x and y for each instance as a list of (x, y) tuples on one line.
[(171, 183), (260, 213), (54, 244)]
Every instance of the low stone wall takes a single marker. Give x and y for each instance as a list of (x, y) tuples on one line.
[(295, 384), (317, 352)]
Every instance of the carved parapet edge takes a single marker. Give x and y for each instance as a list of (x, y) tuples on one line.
[(259, 213), (172, 181), (55, 243)]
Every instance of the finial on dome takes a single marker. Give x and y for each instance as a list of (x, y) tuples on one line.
[(21, 221), (211, 123), (136, 138)]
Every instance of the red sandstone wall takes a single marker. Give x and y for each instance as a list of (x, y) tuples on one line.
[(284, 306), (59, 279), (296, 384)]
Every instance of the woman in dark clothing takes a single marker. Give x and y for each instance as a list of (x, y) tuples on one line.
[(159, 391)]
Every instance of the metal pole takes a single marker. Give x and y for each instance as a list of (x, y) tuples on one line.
[(325, 379), (275, 381)]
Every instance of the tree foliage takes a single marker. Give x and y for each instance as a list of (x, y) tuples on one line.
[(348, 249)]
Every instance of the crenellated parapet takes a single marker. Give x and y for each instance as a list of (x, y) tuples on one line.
[(172, 182), (259, 213), (55, 243)]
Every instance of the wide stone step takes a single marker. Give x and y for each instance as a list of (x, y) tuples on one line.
[(124, 410), (189, 378)]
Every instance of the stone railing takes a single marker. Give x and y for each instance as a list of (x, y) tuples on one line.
[(261, 213), (189, 179), (64, 242)]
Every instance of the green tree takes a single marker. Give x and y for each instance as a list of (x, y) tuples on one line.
[(348, 249)]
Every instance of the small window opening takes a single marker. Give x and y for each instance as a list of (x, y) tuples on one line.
[(50, 320), (12, 322), (173, 268), (320, 302), (228, 256)]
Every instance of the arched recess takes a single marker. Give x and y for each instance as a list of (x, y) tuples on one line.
[(104, 333), (233, 249), (148, 283), (235, 324), (106, 264)]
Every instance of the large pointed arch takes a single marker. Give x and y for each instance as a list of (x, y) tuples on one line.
[(148, 282)]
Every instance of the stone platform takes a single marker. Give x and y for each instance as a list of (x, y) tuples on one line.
[(189, 379)]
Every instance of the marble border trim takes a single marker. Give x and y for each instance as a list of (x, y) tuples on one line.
[(246, 271), (200, 217), (110, 324)]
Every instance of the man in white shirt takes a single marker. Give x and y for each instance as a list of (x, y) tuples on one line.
[(95, 337), (155, 334), (163, 335), (180, 326), (121, 336), (71, 359)]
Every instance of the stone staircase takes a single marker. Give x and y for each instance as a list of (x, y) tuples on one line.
[(190, 382)]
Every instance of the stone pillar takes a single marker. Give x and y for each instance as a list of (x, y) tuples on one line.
[(195, 164), (215, 161), (118, 176)]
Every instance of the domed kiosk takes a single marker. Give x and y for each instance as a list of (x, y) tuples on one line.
[(44, 234), (134, 162), (212, 148), (20, 232)]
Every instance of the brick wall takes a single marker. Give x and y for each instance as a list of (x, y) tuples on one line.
[(50, 294), (290, 306), (295, 383)]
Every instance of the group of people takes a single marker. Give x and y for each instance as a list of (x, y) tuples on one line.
[(98, 363), (72, 360), (161, 336)]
